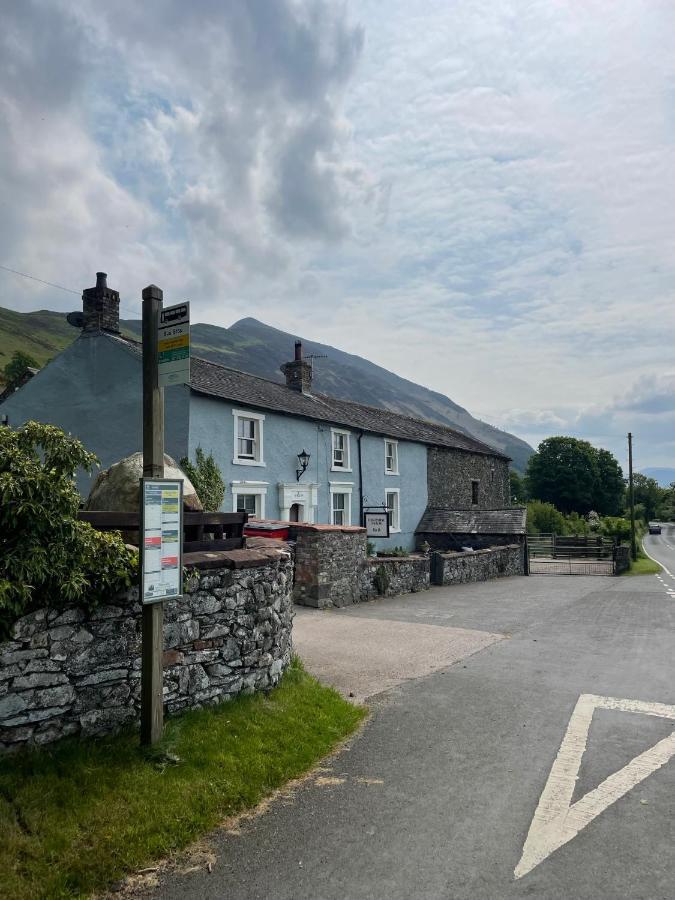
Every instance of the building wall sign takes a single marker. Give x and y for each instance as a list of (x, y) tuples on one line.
[(376, 524), (161, 539)]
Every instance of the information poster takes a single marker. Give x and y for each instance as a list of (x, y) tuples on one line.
[(162, 531), (376, 524), (174, 345)]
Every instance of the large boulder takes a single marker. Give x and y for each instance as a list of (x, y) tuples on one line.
[(118, 489)]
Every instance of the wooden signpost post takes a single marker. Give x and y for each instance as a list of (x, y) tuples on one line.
[(166, 361), (152, 706)]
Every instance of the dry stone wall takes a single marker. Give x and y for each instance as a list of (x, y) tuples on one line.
[(328, 562), (481, 565), (388, 576), (71, 673)]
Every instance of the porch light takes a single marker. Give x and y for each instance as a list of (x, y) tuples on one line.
[(303, 462)]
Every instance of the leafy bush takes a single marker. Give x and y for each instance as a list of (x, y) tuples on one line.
[(206, 478), (544, 518), (615, 527), (47, 556)]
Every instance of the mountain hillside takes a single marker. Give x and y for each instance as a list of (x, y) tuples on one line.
[(42, 334), (252, 346)]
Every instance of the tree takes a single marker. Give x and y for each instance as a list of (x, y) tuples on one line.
[(564, 472), (647, 492), (206, 478), (610, 487), (518, 492), (48, 557), (17, 366)]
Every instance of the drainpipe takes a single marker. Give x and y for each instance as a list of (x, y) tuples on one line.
[(358, 441)]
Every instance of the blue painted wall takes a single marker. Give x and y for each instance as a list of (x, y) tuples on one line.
[(93, 391), (212, 428)]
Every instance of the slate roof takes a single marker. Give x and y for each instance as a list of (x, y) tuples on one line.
[(214, 380), (442, 520)]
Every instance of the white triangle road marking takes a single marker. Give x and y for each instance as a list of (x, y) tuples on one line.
[(556, 820)]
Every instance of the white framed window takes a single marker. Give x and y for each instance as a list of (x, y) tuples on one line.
[(393, 498), (249, 497), (248, 438), (340, 458), (340, 503), (390, 457)]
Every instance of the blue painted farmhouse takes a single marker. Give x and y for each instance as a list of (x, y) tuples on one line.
[(359, 456)]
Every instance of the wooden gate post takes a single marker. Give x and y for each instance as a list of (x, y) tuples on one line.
[(152, 674)]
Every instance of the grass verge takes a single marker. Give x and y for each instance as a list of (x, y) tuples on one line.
[(643, 565), (79, 816)]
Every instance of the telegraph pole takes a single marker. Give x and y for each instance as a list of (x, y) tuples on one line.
[(152, 704), (631, 498)]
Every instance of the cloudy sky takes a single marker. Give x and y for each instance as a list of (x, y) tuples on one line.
[(477, 194)]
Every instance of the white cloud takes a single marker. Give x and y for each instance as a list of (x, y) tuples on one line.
[(477, 195)]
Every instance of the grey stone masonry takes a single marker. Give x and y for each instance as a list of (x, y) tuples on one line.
[(387, 576), (450, 474), (328, 561), (69, 673), (101, 307), (480, 565)]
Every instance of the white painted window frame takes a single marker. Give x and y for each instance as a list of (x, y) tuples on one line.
[(394, 444), (348, 450), (259, 418), (395, 529), (258, 488), (341, 487)]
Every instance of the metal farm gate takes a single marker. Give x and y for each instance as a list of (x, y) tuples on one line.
[(555, 554)]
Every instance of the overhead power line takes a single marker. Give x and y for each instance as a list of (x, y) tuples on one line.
[(41, 280), (59, 286)]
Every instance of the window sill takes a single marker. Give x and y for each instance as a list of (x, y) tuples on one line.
[(387, 472), (394, 531), (339, 469), (247, 462)]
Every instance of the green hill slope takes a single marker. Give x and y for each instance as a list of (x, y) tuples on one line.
[(251, 346), (42, 334)]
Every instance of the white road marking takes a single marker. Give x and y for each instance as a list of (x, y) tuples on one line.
[(555, 821), (657, 561)]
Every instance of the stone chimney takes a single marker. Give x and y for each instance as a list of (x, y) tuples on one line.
[(299, 372), (101, 307)]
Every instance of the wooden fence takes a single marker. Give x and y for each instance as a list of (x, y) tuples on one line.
[(225, 530)]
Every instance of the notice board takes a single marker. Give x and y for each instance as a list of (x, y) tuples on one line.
[(161, 539)]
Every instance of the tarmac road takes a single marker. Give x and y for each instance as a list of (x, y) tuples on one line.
[(662, 546), (437, 795)]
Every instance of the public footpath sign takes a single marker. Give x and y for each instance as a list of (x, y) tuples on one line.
[(174, 345), (162, 532)]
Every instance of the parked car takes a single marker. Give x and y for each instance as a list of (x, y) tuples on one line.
[(654, 528)]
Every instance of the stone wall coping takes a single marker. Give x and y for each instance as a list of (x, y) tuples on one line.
[(307, 526), (448, 554), (235, 559), (411, 557)]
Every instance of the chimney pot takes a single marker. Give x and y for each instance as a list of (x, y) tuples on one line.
[(101, 307), (298, 372)]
